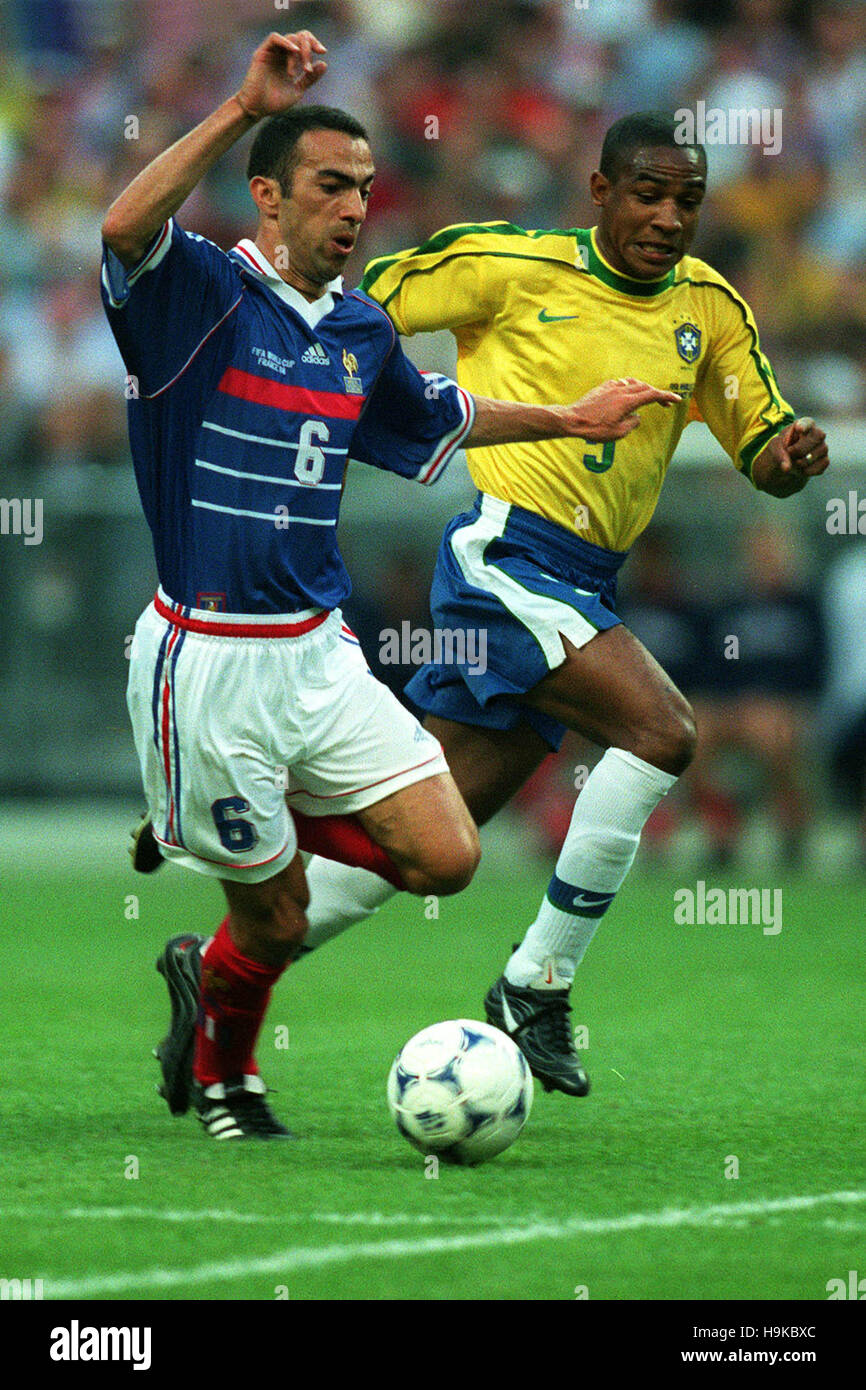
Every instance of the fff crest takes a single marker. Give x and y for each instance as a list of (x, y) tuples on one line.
[(352, 381), (688, 341)]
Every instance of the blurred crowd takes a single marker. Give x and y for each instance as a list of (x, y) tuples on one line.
[(493, 109)]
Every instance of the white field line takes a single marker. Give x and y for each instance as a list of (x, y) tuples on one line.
[(287, 1261), (218, 1215)]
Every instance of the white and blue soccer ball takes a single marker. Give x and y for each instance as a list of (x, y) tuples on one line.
[(460, 1090)]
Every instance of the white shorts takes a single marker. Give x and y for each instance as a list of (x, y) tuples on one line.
[(233, 730)]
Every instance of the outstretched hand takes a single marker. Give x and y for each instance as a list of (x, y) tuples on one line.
[(801, 448), (791, 458), (281, 70), (608, 411)]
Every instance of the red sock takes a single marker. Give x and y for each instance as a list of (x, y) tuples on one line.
[(344, 838), (234, 996)]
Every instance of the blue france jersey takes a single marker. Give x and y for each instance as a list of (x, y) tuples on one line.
[(245, 404)]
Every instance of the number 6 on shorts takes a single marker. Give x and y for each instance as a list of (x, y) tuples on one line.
[(236, 835)]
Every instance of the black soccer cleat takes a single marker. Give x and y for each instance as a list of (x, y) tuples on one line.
[(537, 1020), (144, 852), (237, 1109), (180, 967)]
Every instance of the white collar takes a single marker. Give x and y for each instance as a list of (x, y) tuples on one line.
[(254, 259)]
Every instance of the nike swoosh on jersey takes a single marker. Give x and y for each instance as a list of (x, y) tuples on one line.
[(545, 317)]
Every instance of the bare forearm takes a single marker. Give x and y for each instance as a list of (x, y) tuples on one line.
[(606, 412), (158, 191), (511, 422)]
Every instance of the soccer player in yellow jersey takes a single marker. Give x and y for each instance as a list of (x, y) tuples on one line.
[(542, 316)]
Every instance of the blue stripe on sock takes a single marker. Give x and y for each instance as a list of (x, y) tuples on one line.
[(581, 902)]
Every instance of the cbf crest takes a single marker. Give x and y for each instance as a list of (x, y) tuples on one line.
[(352, 381), (688, 340)]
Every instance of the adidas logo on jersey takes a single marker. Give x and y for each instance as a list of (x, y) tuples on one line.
[(317, 355)]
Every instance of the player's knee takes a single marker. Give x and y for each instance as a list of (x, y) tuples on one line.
[(670, 741), (682, 742), (449, 869)]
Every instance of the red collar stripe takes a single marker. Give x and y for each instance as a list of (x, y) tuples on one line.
[(262, 269)]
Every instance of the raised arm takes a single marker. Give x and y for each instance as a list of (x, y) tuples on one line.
[(606, 412), (281, 70)]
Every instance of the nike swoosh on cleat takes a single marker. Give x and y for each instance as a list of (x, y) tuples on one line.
[(510, 1021), (545, 317)]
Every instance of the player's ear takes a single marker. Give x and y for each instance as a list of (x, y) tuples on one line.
[(266, 194), (599, 187)]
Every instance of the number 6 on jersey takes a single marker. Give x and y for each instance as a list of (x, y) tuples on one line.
[(310, 463)]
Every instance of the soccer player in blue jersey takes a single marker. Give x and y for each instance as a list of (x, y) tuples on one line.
[(254, 377)]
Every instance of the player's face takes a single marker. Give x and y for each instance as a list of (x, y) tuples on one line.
[(321, 216), (649, 215)]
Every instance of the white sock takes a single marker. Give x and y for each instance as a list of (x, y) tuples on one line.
[(619, 795), (339, 897)]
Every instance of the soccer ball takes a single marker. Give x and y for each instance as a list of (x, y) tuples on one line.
[(460, 1090)]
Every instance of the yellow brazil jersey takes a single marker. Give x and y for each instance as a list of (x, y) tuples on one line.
[(540, 316)]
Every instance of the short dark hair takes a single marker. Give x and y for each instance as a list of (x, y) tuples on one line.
[(273, 154), (642, 130)]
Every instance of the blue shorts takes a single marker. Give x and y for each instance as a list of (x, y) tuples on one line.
[(510, 585)]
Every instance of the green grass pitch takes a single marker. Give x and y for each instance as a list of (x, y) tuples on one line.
[(712, 1049)]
